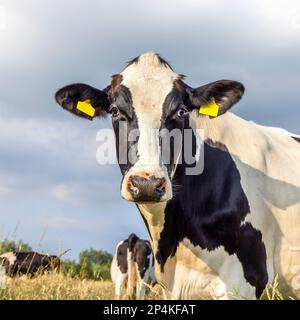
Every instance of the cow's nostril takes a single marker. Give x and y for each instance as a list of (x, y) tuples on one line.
[(134, 180), (161, 187)]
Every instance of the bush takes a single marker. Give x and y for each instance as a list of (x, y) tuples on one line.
[(93, 256), (85, 270)]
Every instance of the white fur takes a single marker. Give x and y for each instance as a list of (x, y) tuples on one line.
[(149, 82), (10, 256)]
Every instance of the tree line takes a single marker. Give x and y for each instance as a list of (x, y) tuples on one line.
[(92, 264)]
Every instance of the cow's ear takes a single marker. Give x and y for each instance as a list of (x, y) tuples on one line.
[(92, 102), (220, 96)]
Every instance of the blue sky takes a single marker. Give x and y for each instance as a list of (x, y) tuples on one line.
[(53, 194)]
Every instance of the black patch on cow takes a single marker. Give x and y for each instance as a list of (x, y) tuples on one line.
[(209, 210), (160, 59), (123, 101), (296, 138), (122, 256), (251, 252), (132, 239), (141, 254)]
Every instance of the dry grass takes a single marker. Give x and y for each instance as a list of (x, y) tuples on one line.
[(55, 286)]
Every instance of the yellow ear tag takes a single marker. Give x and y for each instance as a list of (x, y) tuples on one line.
[(86, 107), (210, 109)]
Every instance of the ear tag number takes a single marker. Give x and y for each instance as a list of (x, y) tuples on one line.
[(210, 109), (86, 107)]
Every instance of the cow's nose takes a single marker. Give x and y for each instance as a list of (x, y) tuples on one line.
[(146, 187)]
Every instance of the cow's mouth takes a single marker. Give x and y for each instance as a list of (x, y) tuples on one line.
[(146, 184)]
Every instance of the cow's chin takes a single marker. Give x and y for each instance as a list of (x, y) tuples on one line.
[(143, 202)]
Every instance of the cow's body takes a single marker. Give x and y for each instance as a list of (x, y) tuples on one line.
[(28, 263), (268, 164), (223, 233), (133, 267)]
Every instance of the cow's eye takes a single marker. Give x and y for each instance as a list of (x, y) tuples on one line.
[(115, 111), (182, 112)]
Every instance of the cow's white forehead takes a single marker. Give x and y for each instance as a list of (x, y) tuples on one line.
[(149, 81)]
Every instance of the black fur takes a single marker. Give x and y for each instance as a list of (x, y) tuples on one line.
[(297, 139), (209, 211), (122, 256), (30, 263)]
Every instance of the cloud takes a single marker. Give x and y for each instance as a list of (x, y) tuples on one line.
[(64, 193), (71, 224)]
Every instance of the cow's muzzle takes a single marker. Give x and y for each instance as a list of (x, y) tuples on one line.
[(144, 187)]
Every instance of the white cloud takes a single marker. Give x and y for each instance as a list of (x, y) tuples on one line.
[(50, 135), (65, 193), (70, 223)]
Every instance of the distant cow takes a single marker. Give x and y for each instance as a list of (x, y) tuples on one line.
[(28, 263), (133, 266)]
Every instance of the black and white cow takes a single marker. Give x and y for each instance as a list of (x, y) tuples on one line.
[(133, 267), (233, 227), (28, 263)]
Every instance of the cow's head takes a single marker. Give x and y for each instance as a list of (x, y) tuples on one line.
[(150, 97)]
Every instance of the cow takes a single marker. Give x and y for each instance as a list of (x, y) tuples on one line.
[(133, 267), (228, 231), (28, 263)]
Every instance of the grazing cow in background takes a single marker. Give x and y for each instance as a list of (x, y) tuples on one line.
[(28, 263), (234, 226), (133, 266)]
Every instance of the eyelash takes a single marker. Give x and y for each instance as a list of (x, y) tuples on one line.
[(115, 112)]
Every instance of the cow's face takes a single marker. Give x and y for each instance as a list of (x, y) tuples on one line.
[(147, 100)]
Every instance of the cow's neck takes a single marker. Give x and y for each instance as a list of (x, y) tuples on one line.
[(154, 216), (227, 129)]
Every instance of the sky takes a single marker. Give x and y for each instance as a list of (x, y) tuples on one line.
[(53, 193)]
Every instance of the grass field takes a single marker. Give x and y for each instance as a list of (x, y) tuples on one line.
[(57, 286), (62, 287)]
